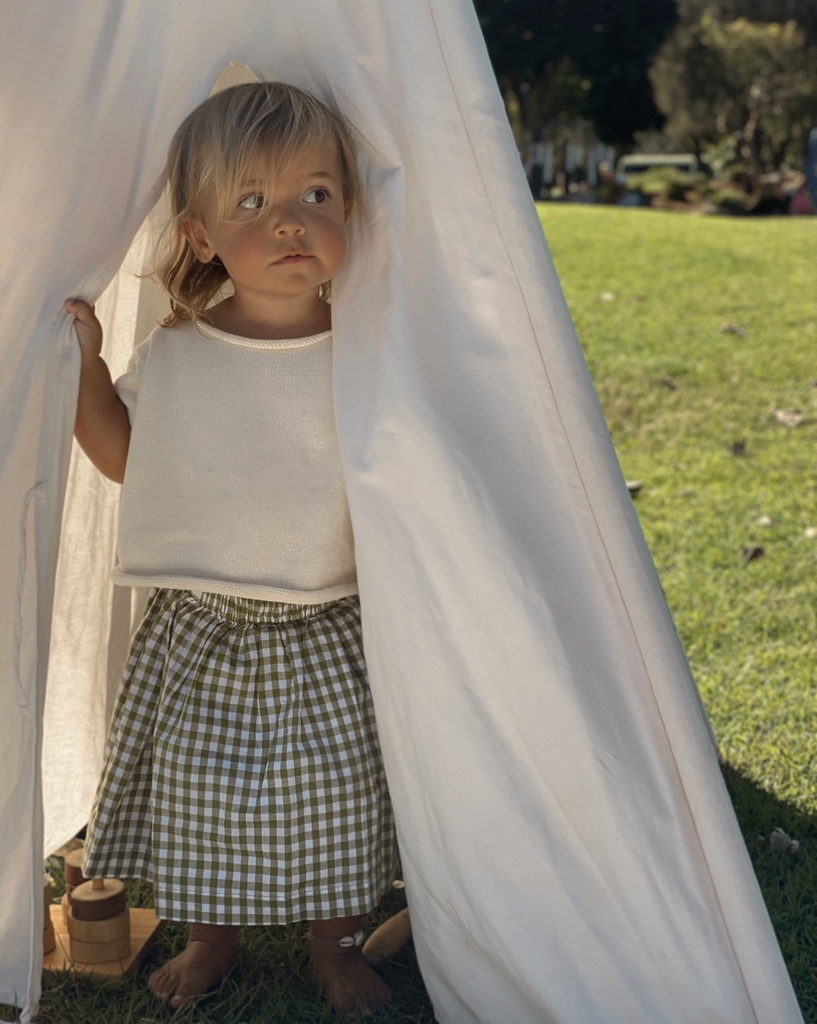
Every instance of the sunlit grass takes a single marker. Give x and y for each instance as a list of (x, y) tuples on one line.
[(678, 392)]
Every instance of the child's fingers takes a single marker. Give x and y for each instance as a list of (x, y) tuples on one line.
[(89, 329), (82, 310)]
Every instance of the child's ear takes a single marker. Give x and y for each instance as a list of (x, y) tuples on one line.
[(196, 234)]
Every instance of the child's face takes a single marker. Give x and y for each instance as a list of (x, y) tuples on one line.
[(295, 247)]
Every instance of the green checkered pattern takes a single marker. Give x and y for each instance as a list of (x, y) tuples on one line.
[(243, 773)]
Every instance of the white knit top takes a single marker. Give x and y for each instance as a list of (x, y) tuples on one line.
[(233, 483)]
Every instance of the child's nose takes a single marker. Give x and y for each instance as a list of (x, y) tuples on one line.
[(287, 222)]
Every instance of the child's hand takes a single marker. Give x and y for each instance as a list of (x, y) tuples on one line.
[(102, 425), (89, 329)]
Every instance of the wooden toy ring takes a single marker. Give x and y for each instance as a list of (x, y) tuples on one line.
[(99, 952), (98, 899), (108, 930)]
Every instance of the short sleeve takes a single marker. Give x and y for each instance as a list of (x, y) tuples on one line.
[(127, 386)]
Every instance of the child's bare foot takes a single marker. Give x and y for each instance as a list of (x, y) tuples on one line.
[(201, 965), (343, 975)]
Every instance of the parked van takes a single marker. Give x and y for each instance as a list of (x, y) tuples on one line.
[(637, 163)]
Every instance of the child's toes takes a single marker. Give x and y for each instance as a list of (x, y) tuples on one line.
[(353, 988), (179, 999), (161, 983)]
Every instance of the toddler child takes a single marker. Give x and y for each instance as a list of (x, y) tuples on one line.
[(242, 772)]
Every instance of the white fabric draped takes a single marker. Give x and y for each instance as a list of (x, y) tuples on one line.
[(569, 848)]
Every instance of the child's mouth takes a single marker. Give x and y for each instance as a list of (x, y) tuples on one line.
[(294, 257)]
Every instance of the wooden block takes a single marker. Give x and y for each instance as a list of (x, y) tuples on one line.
[(73, 869), (97, 899), (388, 939), (98, 952), (48, 896), (110, 929), (64, 908), (49, 937), (145, 926)]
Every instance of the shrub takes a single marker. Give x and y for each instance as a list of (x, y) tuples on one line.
[(668, 182), (731, 199)]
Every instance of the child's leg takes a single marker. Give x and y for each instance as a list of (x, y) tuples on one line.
[(203, 963), (351, 986)]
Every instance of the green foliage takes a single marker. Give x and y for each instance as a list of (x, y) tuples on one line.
[(668, 182), (754, 83), (804, 12), (683, 186), (722, 156), (733, 198)]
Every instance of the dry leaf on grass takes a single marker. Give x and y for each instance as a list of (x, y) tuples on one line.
[(790, 418), (780, 840)]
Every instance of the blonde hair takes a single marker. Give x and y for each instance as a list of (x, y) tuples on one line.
[(212, 148)]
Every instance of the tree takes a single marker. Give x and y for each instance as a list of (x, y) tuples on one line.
[(752, 82), (578, 59), (803, 12)]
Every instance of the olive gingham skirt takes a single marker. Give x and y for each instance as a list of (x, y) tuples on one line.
[(243, 773)]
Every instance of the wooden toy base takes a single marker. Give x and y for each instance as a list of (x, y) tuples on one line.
[(144, 927)]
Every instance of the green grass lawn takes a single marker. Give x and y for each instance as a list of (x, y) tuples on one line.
[(649, 293)]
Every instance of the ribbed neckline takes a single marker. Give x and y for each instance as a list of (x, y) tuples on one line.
[(236, 339)]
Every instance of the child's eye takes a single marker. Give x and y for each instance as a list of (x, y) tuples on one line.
[(317, 196), (252, 202)]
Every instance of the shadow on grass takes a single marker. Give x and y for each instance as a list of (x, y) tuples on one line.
[(788, 881), (271, 983)]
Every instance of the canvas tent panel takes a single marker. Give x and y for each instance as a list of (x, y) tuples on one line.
[(569, 849), (90, 638)]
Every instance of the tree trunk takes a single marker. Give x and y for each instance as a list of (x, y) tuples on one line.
[(750, 152)]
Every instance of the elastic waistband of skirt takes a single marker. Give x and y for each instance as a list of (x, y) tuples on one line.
[(247, 609)]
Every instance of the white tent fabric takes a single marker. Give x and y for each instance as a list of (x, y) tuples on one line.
[(569, 848)]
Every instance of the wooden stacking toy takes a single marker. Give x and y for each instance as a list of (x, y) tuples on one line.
[(98, 921), (49, 935), (388, 939), (100, 926), (73, 877)]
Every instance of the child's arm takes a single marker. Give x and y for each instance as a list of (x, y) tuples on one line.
[(102, 427)]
